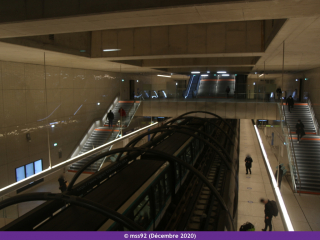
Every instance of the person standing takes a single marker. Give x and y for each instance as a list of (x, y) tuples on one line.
[(267, 214), (300, 130), (248, 162), (290, 103), (279, 92), (227, 91), (123, 114), (63, 183), (110, 117)]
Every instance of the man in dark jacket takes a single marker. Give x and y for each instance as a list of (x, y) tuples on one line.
[(300, 130), (290, 102), (110, 117), (227, 91), (267, 213), (248, 161), (279, 92)]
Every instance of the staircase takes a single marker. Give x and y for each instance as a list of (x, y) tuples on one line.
[(307, 152), (103, 135), (127, 106), (192, 86)]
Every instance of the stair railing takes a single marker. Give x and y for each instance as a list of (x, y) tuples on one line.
[(290, 148), (315, 122), (133, 111)]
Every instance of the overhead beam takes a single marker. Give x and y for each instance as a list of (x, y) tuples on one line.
[(209, 38), (36, 17), (189, 62)]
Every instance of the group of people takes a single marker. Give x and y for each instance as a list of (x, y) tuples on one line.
[(110, 116)]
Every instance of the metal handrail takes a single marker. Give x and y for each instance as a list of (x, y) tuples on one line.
[(290, 146), (315, 122)]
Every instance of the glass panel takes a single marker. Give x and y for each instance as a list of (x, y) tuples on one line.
[(143, 218), (138, 208), (29, 170), (20, 173), (156, 198), (166, 182), (162, 191), (177, 173), (38, 166), (188, 155)]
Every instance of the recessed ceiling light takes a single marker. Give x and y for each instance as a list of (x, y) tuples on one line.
[(111, 50), (195, 72), (221, 72)]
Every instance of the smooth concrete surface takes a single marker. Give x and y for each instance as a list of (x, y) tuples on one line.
[(225, 108), (253, 186)]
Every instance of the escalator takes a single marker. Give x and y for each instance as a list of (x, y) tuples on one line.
[(103, 135), (191, 91)]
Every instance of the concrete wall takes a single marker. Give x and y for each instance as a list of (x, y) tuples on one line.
[(232, 37), (67, 97), (239, 110), (70, 43), (312, 88)]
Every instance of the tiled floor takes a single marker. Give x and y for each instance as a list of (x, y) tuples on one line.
[(255, 186)]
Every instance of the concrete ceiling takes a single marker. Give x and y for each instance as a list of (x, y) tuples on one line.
[(301, 34)]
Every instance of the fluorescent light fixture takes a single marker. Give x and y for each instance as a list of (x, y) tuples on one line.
[(55, 144), (297, 80), (208, 71), (204, 75), (176, 83), (221, 72), (225, 75), (111, 50), (261, 75), (53, 125), (274, 184), (254, 83), (195, 72), (98, 103), (164, 76), (137, 80)]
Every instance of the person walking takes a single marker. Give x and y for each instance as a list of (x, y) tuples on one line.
[(110, 117), (123, 114), (300, 130), (63, 183), (290, 102), (279, 92), (227, 91), (248, 162), (267, 214)]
